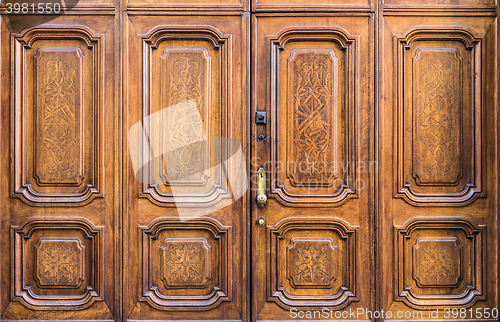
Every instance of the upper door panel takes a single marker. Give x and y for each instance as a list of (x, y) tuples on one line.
[(316, 5)]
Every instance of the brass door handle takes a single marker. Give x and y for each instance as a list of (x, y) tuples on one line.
[(261, 188)]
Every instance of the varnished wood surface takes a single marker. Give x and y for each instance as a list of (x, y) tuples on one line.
[(406, 94)]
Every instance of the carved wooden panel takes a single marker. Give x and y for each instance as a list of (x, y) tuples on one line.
[(439, 130), (312, 263), (193, 66), (437, 261), (313, 95), (186, 264), (57, 117), (57, 263), (440, 262)]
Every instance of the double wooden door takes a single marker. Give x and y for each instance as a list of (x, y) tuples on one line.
[(130, 154)]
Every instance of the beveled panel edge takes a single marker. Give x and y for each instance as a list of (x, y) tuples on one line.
[(25, 295), (402, 189), (221, 42), (20, 189), (219, 294), (348, 43), (277, 294), (471, 294)]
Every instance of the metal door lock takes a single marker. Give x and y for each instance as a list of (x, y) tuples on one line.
[(261, 221)]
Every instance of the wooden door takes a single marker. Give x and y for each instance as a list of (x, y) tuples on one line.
[(129, 138), (59, 169), (311, 75), (438, 151)]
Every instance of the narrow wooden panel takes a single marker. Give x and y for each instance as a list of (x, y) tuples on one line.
[(59, 115), (186, 75), (192, 69), (437, 79), (313, 76), (312, 80), (68, 263), (439, 117), (440, 262)]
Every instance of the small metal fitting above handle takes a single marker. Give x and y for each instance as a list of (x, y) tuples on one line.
[(261, 188)]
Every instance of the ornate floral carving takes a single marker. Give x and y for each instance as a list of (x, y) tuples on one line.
[(186, 262), (312, 102), (185, 136), (311, 261), (59, 262), (438, 120), (437, 261), (59, 118)]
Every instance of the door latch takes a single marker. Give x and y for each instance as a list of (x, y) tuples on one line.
[(261, 188), (260, 117)]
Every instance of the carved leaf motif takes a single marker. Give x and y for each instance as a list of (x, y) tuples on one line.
[(59, 119), (439, 263), (312, 264), (185, 264), (186, 130), (59, 263), (311, 99), (438, 124)]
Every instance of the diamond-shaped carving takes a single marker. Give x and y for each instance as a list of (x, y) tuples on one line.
[(311, 262), (437, 261), (59, 262), (186, 262)]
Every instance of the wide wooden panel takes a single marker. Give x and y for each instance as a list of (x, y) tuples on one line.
[(190, 77), (441, 262), (314, 266), (58, 117), (439, 117), (312, 81), (186, 264), (67, 267)]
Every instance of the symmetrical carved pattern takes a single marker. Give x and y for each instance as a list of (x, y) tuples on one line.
[(59, 262), (304, 270), (186, 264), (314, 88), (311, 261), (314, 75), (194, 66), (186, 72), (66, 273), (57, 116), (440, 262), (58, 109), (438, 154), (437, 76), (437, 261)]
